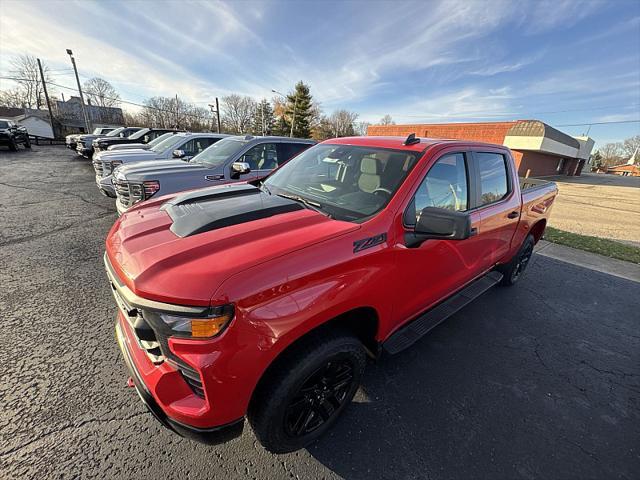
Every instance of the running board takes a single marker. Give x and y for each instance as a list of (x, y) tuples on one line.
[(416, 329)]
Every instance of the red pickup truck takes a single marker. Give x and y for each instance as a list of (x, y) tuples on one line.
[(265, 300)]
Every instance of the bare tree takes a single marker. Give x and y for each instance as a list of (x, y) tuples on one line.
[(631, 146), (237, 113), (386, 120), (611, 154), (340, 123), (362, 128), (14, 98), (31, 90), (101, 93)]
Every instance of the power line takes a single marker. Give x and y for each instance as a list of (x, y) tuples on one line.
[(598, 123)]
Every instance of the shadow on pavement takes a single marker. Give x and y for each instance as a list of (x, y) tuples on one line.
[(540, 380)]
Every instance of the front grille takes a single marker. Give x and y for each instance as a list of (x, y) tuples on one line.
[(97, 166), (127, 193), (122, 192)]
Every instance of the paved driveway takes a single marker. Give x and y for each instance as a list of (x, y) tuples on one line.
[(599, 205), (538, 381)]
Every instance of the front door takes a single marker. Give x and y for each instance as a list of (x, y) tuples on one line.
[(431, 271)]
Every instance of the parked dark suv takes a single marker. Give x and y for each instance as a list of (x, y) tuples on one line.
[(143, 136), (11, 134)]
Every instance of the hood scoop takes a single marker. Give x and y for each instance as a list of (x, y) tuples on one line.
[(218, 207)]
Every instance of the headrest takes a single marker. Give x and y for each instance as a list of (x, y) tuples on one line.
[(369, 165)]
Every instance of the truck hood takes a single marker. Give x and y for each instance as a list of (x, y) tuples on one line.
[(133, 155), (141, 171), (180, 250)]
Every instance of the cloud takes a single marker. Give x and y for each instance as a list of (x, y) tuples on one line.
[(545, 15)]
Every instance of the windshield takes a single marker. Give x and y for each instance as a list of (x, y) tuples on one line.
[(347, 182), (4, 124), (139, 134), (218, 153), (166, 144), (115, 133), (159, 139)]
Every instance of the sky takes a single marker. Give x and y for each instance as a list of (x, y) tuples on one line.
[(563, 62)]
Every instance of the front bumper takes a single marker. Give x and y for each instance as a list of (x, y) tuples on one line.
[(84, 151), (211, 436)]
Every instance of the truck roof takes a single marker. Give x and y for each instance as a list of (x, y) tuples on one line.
[(398, 142)]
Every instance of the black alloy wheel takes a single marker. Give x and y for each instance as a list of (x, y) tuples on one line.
[(319, 398)]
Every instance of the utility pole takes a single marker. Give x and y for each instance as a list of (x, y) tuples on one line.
[(87, 123), (176, 110), (46, 96), (262, 111)]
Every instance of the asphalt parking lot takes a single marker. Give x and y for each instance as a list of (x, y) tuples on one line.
[(538, 381)]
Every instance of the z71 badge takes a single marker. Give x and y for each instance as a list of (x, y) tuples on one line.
[(369, 242)]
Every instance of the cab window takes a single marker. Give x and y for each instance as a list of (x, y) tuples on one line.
[(494, 185), (445, 185), (262, 157)]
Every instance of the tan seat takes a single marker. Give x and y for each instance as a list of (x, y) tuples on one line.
[(369, 177)]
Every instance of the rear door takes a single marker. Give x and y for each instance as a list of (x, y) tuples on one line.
[(497, 200)]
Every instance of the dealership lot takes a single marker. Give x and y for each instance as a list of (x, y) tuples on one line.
[(538, 381)]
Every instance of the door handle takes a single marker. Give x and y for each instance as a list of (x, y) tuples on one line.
[(514, 214)]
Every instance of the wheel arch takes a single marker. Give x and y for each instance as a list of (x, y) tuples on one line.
[(538, 229), (362, 322)]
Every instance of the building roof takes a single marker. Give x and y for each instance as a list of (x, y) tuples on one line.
[(536, 128)]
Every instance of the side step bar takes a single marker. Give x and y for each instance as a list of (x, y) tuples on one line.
[(413, 331)]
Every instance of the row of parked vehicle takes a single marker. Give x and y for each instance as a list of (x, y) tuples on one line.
[(134, 164), (262, 298)]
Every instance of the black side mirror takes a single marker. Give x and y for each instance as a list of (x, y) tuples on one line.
[(440, 223)]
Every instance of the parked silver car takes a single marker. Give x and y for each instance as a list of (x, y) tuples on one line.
[(181, 146), (233, 159)]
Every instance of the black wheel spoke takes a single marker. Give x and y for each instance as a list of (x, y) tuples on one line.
[(319, 397)]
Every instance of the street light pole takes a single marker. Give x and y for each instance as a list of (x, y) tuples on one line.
[(295, 105), (293, 119), (87, 123), (215, 109)]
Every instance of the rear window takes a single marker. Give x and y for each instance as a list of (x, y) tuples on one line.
[(493, 177)]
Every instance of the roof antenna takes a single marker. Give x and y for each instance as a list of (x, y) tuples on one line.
[(411, 139)]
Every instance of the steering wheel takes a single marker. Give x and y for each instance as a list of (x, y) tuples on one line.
[(378, 190)]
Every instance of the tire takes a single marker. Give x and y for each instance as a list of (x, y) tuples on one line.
[(294, 404), (27, 143), (512, 271), (13, 146)]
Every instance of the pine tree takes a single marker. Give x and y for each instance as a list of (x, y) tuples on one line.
[(263, 120), (300, 110)]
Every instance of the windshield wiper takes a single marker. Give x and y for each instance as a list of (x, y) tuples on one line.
[(263, 185), (311, 205)]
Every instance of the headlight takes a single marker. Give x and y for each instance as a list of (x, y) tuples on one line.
[(150, 188), (217, 319)]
